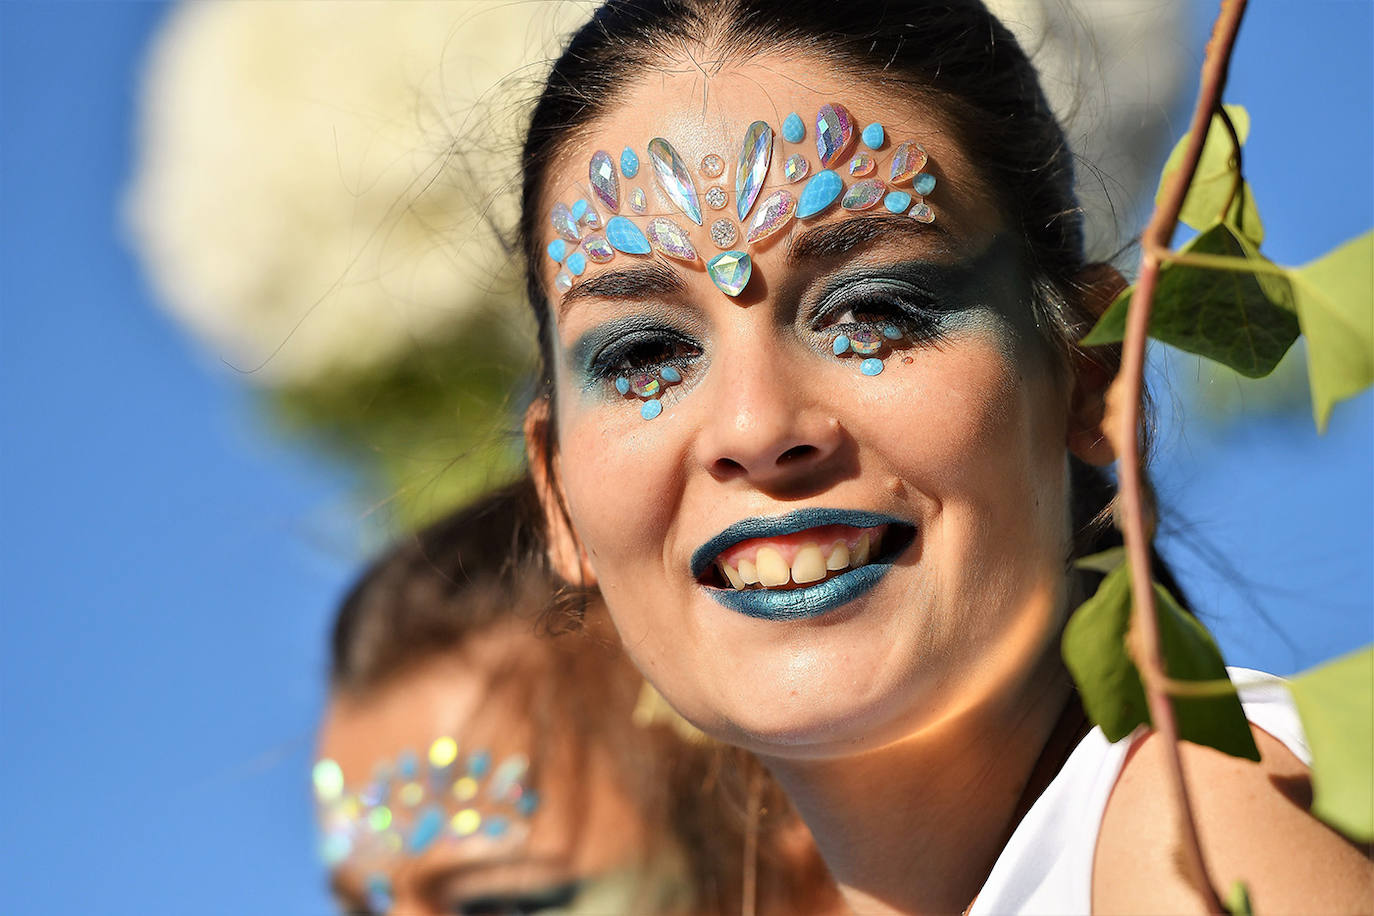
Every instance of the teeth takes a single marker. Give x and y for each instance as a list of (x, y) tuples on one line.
[(735, 581), (839, 557), (748, 572), (773, 571), (809, 566), (860, 555)]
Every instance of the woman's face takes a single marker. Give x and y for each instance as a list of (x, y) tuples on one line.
[(951, 463), (583, 841)]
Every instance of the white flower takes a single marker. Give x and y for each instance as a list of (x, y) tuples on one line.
[(315, 178)]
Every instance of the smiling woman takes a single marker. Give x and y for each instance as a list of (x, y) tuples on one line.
[(832, 480)]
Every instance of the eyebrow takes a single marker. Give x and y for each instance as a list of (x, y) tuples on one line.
[(825, 241)]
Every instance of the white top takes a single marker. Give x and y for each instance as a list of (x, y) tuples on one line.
[(1047, 866)]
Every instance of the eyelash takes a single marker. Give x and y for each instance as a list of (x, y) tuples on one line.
[(644, 351), (917, 317)]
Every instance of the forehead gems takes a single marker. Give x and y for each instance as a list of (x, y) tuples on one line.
[(410, 805), (758, 213)]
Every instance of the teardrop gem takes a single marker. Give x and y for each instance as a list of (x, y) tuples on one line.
[(907, 159), (863, 194), (924, 184), (862, 165), (897, 201), (730, 272), (589, 219), (629, 162), (669, 238), (564, 223), (598, 249), (638, 203), (754, 155), (775, 212), (605, 182), (922, 213), (819, 192), (672, 176), (834, 132), (626, 236), (793, 130), (796, 167)]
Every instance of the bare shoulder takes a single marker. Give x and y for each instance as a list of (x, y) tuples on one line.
[(1253, 824)]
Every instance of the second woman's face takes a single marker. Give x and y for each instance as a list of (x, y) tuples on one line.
[(805, 558)]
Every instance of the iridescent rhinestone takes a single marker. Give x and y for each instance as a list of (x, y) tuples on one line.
[(598, 249), (638, 203), (328, 779), (589, 220), (796, 167), (716, 198), (712, 165), (508, 775), (562, 283), (629, 163), (863, 194), (873, 136), (625, 236), (862, 165), (922, 212), (793, 128), (819, 192), (465, 822), (723, 234), (924, 184), (564, 223), (670, 238), (866, 341), (442, 752), (907, 159), (752, 166), (674, 179), (776, 210), (730, 272), (834, 132), (897, 201), (605, 182), (645, 385)]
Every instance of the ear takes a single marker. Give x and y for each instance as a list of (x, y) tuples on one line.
[(1098, 285), (566, 556)]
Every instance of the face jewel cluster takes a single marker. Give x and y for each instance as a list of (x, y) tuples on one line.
[(648, 387), (410, 805), (867, 343), (581, 236)]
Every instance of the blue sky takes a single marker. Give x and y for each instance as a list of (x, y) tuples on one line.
[(167, 570)]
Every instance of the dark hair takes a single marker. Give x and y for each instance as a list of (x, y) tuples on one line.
[(953, 55), (482, 568)]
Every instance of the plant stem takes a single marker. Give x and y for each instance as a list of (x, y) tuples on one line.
[(1126, 437)]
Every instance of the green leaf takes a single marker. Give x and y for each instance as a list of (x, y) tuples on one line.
[(1336, 704), (1238, 900), (1103, 562), (1214, 182), (1335, 301), (1095, 651), (1242, 318)]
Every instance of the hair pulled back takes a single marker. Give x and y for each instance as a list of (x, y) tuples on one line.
[(952, 55)]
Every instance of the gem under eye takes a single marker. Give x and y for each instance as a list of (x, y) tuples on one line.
[(866, 341)]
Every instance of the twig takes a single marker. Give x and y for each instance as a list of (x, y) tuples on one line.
[(1126, 437)]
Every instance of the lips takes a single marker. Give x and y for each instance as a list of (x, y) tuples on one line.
[(801, 564)]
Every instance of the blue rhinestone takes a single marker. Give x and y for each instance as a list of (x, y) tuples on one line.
[(577, 263), (670, 374), (427, 827), (379, 898), (873, 136), (820, 192), (407, 764), (479, 763), (650, 409), (897, 201), (891, 332), (924, 184), (580, 208), (626, 236), (622, 384), (871, 366), (629, 163), (495, 826), (557, 249), (793, 130), (527, 803), (841, 345)]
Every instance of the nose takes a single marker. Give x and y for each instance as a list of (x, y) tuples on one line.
[(768, 424)]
